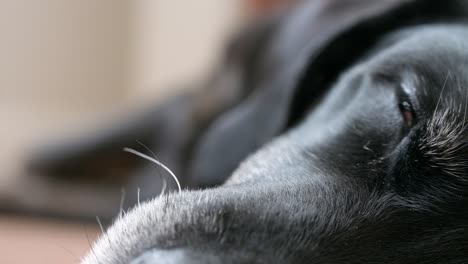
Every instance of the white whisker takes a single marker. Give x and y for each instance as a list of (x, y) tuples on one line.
[(138, 195), (156, 162), (163, 189), (100, 224), (122, 200), (441, 92)]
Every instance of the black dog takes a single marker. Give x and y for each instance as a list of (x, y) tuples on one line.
[(367, 102)]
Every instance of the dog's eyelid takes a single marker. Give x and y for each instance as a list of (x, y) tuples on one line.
[(408, 88), (406, 107), (407, 112), (407, 92), (407, 102)]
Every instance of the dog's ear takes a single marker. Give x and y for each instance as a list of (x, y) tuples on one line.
[(313, 44)]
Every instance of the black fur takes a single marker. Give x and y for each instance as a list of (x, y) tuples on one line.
[(358, 111)]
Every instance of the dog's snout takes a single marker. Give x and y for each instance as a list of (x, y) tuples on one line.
[(175, 256)]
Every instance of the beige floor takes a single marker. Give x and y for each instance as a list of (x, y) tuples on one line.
[(39, 241), (27, 239)]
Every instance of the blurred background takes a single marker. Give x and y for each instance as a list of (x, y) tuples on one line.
[(66, 65)]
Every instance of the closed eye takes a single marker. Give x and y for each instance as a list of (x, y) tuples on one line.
[(406, 106), (407, 113)]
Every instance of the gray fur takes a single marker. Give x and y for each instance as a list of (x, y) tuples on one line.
[(295, 200), (349, 182)]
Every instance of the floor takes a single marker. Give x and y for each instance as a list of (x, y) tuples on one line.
[(29, 239), (41, 241)]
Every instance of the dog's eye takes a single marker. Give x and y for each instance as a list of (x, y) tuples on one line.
[(407, 113)]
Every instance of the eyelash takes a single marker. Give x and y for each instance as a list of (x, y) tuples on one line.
[(407, 112)]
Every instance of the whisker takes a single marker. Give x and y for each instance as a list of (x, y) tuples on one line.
[(87, 236), (146, 147), (163, 189), (100, 224), (466, 105), (156, 162), (122, 200), (91, 248), (70, 253), (440, 95), (138, 196)]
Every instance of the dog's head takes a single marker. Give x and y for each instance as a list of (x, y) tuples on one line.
[(374, 172)]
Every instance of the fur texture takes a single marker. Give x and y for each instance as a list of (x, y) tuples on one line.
[(374, 170)]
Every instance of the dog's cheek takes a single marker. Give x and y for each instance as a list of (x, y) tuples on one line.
[(423, 168)]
